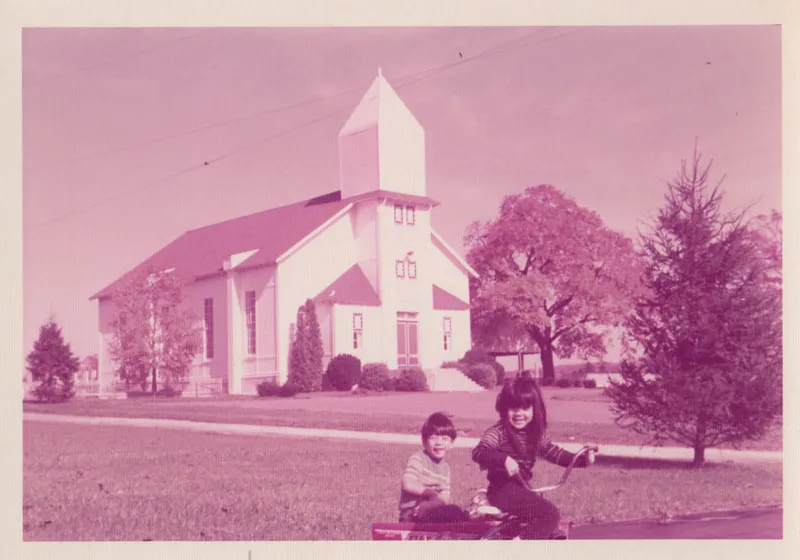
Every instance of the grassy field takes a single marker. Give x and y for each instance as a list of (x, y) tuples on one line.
[(115, 483), (473, 413)]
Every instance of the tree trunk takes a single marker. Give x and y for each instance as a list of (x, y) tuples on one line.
[(548, 369), (155, 384), (699, 455)]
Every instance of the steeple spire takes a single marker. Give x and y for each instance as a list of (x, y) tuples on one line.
[(382, 146)]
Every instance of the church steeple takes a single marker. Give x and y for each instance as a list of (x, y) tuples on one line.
[(382, 145)]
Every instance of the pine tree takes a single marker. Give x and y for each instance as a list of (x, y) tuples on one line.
[(314, 346), (53, 365), (707, 367), (298, 354)]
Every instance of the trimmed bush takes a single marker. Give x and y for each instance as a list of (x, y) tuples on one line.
[(375, 377), (289, 389), (482, 374), (563, 383), (412, 380), (343, 372), (577, 383), (590, 383), (267, 389), (499, 370), (476, 356)]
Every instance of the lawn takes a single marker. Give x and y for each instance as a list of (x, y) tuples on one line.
[(115, 483), (576, 415)]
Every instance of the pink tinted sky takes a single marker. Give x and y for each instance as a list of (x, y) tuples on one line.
[(118, 122)]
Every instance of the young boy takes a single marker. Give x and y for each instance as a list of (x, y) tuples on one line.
[(425, 488)]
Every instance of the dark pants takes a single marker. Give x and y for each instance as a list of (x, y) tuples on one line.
[(439, 513), (539, 515)]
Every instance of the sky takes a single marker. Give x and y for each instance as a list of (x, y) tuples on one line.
[(119, 122)]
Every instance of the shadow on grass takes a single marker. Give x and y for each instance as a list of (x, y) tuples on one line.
[(613, 461)]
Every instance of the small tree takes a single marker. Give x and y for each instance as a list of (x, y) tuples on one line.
[(53, 365), (154, 335), (305, 355), (91, 366), (705, 364)]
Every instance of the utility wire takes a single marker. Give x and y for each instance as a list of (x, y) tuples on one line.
[(417, 77)]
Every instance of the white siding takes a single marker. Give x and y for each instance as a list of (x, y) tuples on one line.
[(372, 337), (307, 272)]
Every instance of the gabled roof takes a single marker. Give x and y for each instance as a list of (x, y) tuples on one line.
[(201, 252), (351, 288), (443, 299), (438, 240)]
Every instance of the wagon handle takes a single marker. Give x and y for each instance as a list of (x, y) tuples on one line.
[(585, 449)]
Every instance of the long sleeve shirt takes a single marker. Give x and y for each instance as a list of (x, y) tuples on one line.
[(494, 446)]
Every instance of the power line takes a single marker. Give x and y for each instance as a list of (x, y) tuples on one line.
[(418, 76), (116, 59)]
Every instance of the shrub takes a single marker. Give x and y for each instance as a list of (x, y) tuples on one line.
[(590, 383), (451, 365), (499, 370), (577, 383), (170, 392), (477, 356), (343, 372), (563, 383), (375, 377), (412, 380), (289, 389), (482, 374), (267, 389), (543, 382)]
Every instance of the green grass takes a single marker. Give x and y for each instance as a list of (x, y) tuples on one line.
[(250, 410), (115, 483)]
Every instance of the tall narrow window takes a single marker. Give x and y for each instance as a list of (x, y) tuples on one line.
[(398, 213), (412, 269), (400, 269), (411, 217), (358, 330), (448, 333), (209, 327), (250, 312)]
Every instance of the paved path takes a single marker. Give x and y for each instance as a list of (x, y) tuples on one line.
[(606, 451), (760, 523)]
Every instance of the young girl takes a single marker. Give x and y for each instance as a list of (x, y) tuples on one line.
[(511, 446)]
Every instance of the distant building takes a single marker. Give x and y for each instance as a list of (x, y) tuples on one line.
[(387, 287)]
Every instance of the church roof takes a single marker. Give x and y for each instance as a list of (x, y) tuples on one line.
[(201, 252), (444, 300), (351, 288)]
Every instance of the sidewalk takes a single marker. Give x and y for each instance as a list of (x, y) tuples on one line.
[(628, 451)]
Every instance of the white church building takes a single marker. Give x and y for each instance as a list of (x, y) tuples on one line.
[(387, 287)]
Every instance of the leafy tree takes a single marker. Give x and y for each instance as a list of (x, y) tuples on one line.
[(154, 335), (53, 365), (705, 364), (550, 273), (305, 355), (91, 366)]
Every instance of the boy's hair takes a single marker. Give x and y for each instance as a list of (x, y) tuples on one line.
[(523, 392), (438, 424)]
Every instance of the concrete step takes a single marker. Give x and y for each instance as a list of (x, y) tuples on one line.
[(447, 379)]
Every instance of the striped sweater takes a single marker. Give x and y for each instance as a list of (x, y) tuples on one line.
[(431, 474), (494, 446)]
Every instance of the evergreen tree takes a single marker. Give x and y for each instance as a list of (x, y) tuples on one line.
[(314, 342), (705, 367), (298, 354), (53, 365)]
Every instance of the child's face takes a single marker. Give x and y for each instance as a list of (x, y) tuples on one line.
[(437, 446), (520, 417)]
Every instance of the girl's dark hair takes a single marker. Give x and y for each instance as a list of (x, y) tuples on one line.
[(438, 424), (523, 392)]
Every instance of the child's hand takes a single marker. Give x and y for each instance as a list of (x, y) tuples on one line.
[(512, 467)]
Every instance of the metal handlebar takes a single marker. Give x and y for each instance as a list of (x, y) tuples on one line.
[(585, 449)]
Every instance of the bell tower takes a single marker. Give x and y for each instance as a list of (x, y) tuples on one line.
[(381, 146)]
